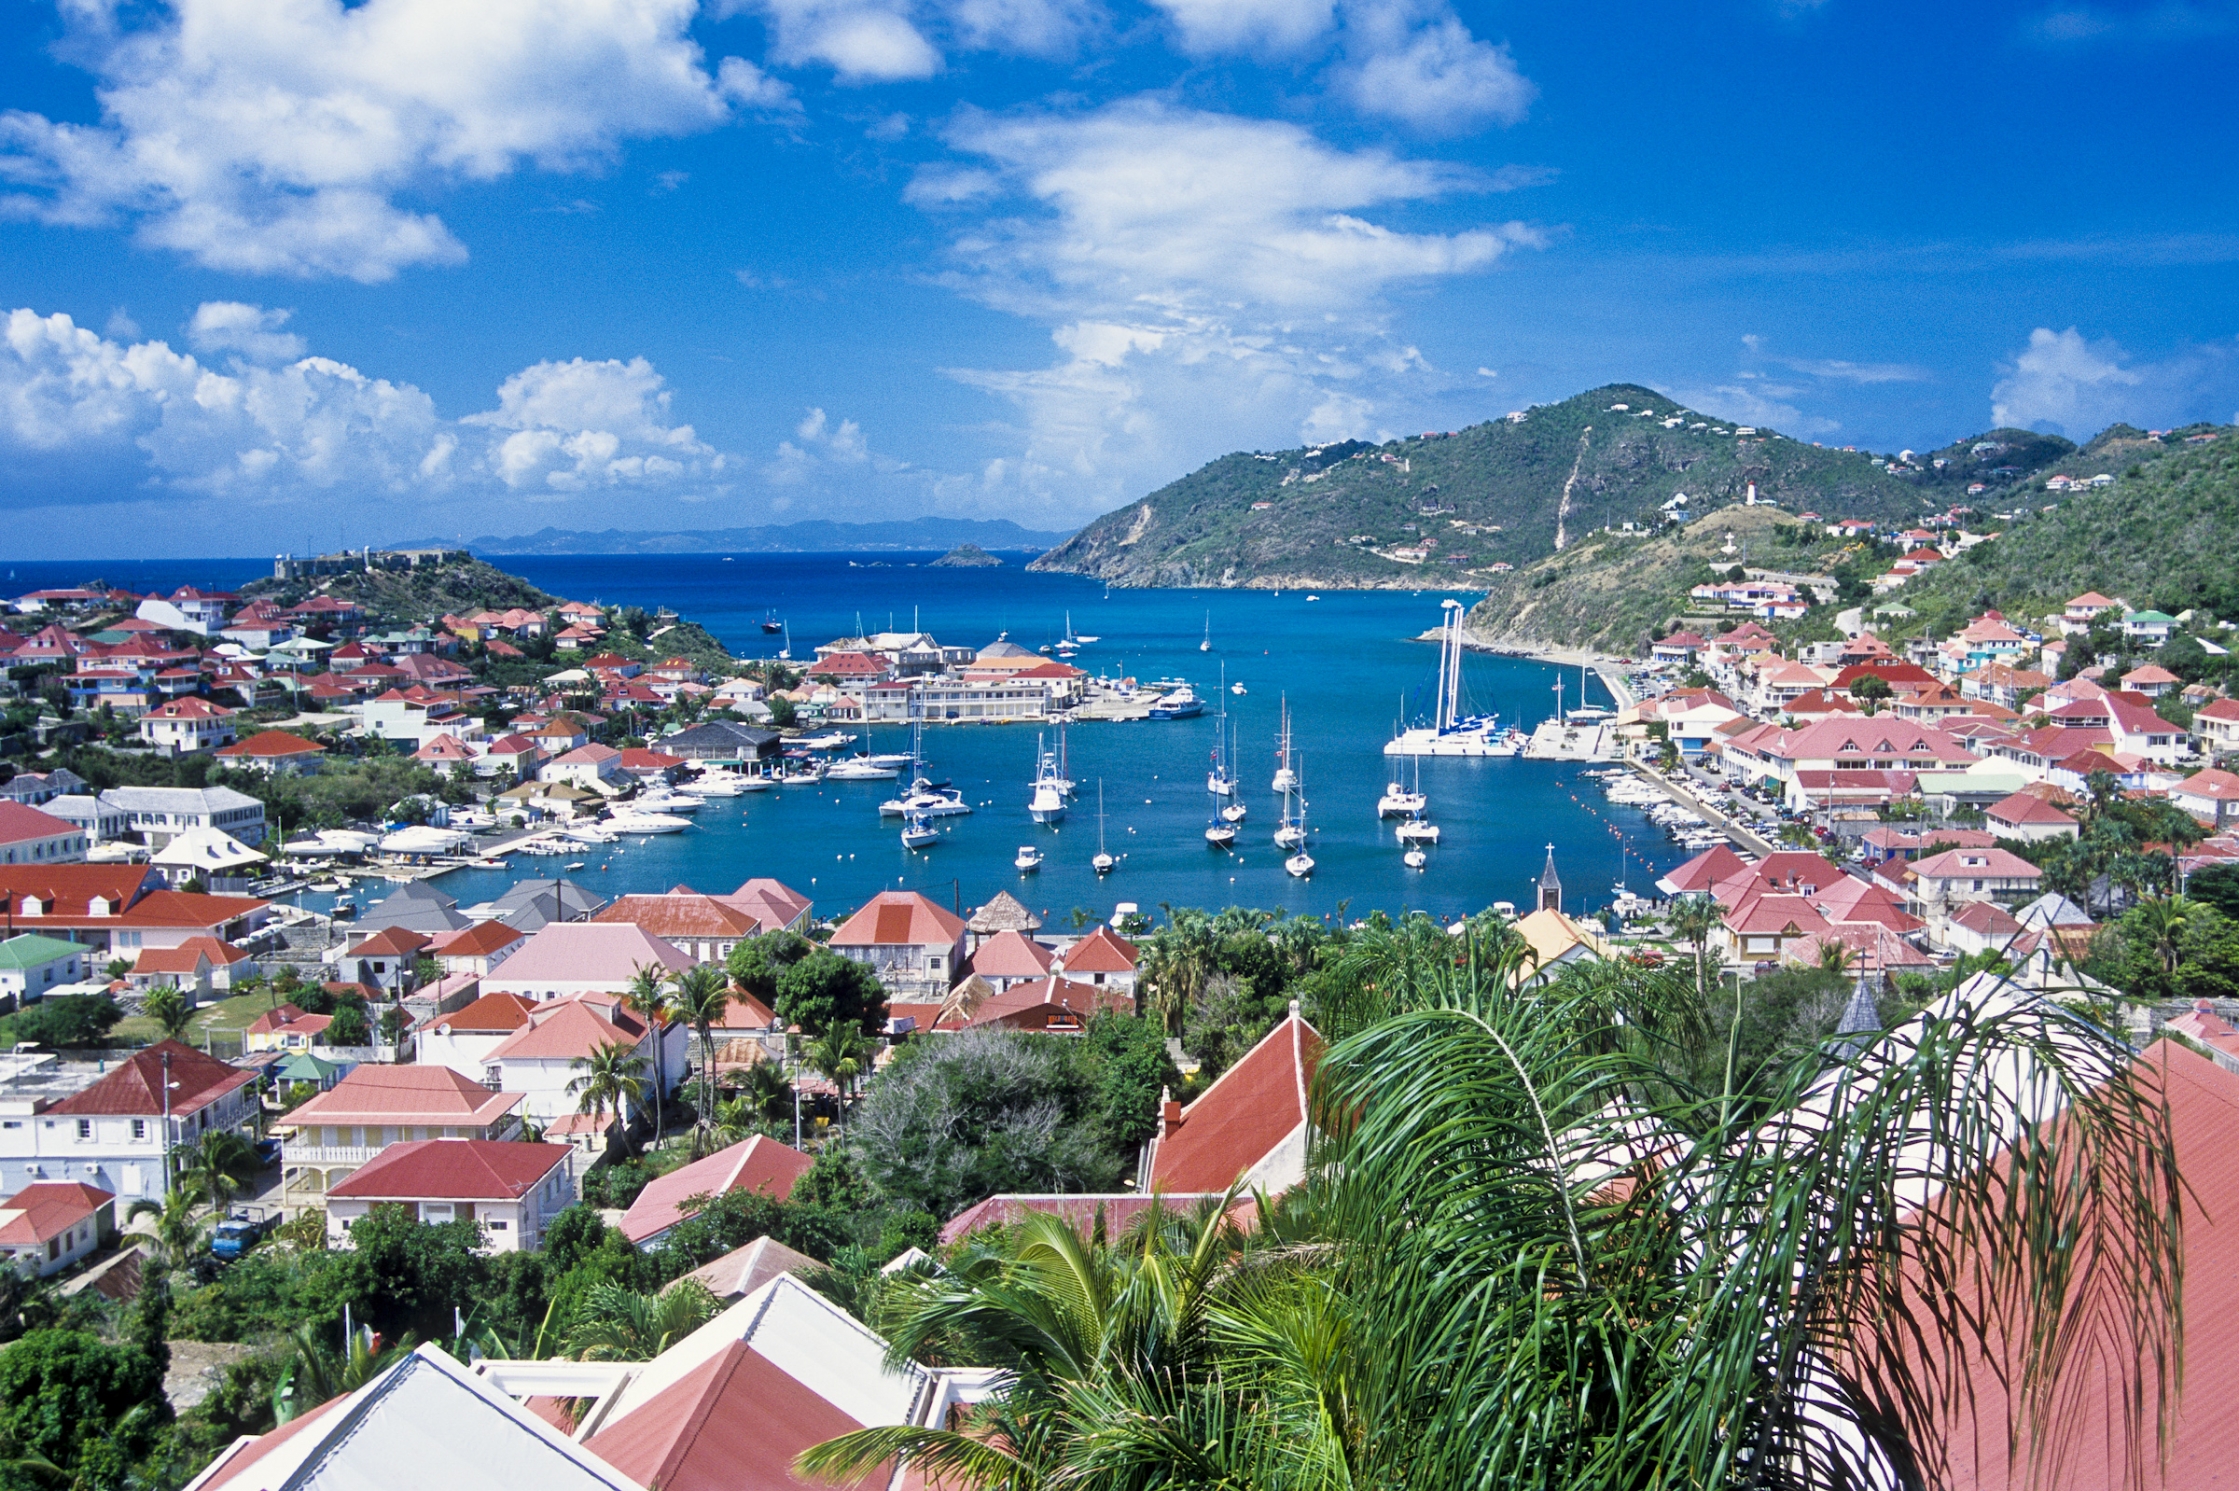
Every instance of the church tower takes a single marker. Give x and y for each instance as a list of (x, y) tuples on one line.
[(1550, 885)]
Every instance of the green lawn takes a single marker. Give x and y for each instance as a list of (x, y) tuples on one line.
[(224, 1017)]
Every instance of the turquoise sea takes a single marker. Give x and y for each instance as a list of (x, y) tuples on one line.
[(1348, 664)]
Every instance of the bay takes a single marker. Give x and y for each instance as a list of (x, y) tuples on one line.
[(1348, 663)]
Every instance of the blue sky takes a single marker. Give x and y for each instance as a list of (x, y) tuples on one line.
[(292, 273)]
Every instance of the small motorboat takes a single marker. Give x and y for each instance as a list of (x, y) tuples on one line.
[(1029, 859), (1235, 812), (1414, 858), (1300, 864), (1237, 687)]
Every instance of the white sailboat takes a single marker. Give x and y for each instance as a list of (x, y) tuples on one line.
[(918, 831), (1218, 833), (921, 796), (1103, 863), (1291, 832), (1285, 778), (1207, 644), (1300, 864), (785, 653), (1451, 732), (1219, 781), (1233, 811)]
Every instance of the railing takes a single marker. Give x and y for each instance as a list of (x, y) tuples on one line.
[(292, 1154)]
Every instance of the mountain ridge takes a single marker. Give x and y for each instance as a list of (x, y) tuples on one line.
[(812, 536)]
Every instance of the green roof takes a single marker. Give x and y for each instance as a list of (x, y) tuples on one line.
[(33, 951), (304, 1067), (2151, 618)]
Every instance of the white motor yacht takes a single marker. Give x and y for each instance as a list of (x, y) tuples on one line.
[(1414, 858), (1046, 799), (1029, 859), (663, 800), (630, 820), (923, 797), (860, 769), (713, 784)]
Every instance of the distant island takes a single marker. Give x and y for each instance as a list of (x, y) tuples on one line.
[(966, 556), (818, 536)]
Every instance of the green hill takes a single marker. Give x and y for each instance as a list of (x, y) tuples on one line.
[(1511, 490), (2165, 535)]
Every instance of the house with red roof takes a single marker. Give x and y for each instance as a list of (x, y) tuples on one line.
[(388, 960), (276, 753), (510, 1190), (1006, 958), (1762, 926), (2026, 815), (30, 837), (1939, 884), (463, 1038), (1052, 1004), (2212, 796), (111, 1133), (650, 765), (445, 755), (2077, 616), (704, 928), (586, 766), (774, 905), (376, 1106), (1251, 1126), (195, 967), (285, 1027), (538, 1060), (49, 1225), (476, 949), (120, 908), (1103, 958), (758, 1164), (2215, 725), (517, 754), (914, 946), (181, 727)]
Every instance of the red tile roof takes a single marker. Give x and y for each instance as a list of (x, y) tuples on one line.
[(772, 903), (563, 1030), (681, 913), (414, 1094), (899, 918), (477, 941), (391, 942), (1968, 864), (2025, 808), (20, 822), (134, 1087), (1237, 1122), (491, 1014), (736, 1420), (47, 1209), (270, 745), (1119, 1210), (759, 1164), (1102, 951), (452, 1170), (1012, 955)]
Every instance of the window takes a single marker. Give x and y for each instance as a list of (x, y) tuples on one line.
[(139, 1128), (496, 1226), (85, 1128)]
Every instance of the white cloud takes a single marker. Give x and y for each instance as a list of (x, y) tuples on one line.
[(312, 426), (277, 138), (2062, 382), (250, 330), (1210, 26), (1437, 78), (1840, 371), (862, 43), (1146, 204)]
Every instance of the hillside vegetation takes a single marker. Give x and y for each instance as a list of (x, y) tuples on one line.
[(1506, 491), (406, 596), (2165, 535)]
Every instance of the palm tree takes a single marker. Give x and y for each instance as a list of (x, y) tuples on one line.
[(615, 1324), (169, 1009), (701, 996), (317, 1372), (2164, 920), (1531, 1254), (609, 1083), (647, 997), (1693, 919), (841, 1054), (178, 1232), (220, 1166)]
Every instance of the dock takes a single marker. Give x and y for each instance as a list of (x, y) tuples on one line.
[(1557, 740)]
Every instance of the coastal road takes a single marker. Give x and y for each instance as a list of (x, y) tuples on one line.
[(1747, 837)]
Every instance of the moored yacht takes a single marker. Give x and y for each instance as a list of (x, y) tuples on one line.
[(1029, 859)]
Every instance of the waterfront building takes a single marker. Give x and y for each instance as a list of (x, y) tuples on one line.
[(915, 947), (159, 814)]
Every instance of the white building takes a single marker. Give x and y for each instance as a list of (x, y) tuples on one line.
[(159, 814), (181, 727), (29, 836), (112, 1134), (538, 1060), (511, 1191)]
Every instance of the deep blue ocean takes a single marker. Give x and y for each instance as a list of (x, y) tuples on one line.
[(1348, 663)]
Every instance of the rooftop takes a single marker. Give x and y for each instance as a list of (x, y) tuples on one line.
[(452, 1170)]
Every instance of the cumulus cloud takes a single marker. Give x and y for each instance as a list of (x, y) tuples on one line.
[(277, 139), (250, 330), (1212, 26), (862, 43), (2064, 383), (274, 428), (1434, 77)]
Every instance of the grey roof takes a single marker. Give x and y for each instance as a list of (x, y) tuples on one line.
[(1003, 912), (1861, 1018), (416, 907), (178, 799), (2053, 910), (1548, 879), (531, 904), (719, 738), (1003, 647)]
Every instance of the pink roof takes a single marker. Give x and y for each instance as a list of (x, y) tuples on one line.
[(189, 709), (1012, 955), (19, 822), (563, 1030), (1102, 951), (1240, 1120), (899, 918), (2215, 784), (759, 1164), (1048, 1003), (290, 1019), (406, 1094), (452, 1170), (1773, 913), (604, 953), (1705, 870), (477, 941), (2025, 808), (735, 1420), (1968, 864), (773, 904)]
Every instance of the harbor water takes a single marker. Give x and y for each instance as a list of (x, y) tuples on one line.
[(1348, 663)]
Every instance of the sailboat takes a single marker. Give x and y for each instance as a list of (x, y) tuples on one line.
[(1207, 644), (1233, 811), (1104, 863), (1047, 804), (1451, 732), (1218, 781), (785, 653), (918, 831), (1285, 778), (1291, 833), (922, 797), (770, 623), (1300, 864), (1219, 833)]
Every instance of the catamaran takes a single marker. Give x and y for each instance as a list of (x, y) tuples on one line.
[(1103, 863), (1451, 732)]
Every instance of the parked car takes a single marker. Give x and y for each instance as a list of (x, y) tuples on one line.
[(240, 1232)]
